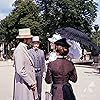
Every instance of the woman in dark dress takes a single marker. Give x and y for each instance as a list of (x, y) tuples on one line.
[(60, 72)]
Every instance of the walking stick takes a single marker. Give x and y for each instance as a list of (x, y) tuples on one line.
[(33, 90), (33, 95)]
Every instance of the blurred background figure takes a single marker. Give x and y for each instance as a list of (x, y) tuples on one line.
[(75, 51), (96, 63), (52, 54), (2, 52)]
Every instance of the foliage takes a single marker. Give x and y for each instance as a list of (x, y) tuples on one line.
[(96, 37), (73, 13), (46, 16), (25, 14)]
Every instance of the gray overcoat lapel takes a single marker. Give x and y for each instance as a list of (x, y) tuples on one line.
[(25, 51)]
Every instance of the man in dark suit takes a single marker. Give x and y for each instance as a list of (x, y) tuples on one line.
[(39, 62)]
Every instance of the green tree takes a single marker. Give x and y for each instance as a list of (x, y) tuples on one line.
[(79, 14), (96, 37), (24, 15), (46, 16)]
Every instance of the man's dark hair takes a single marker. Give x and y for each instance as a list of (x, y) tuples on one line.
[(21, 40)]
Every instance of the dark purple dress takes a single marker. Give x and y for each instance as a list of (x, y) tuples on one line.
[(59, 72)]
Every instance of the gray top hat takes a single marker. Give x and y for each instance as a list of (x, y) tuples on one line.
[(35, 39)]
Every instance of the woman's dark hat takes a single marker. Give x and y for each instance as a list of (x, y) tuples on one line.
[(62, 42)]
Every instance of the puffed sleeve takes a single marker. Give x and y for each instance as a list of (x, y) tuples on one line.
[(48, 77)]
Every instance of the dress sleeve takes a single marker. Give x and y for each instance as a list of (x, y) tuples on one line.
[(73, 74), (48, 77)]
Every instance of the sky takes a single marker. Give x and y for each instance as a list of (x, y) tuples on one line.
[(6, 7)]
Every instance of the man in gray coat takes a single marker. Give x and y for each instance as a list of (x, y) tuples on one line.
[(39, 62), (24, 81)]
